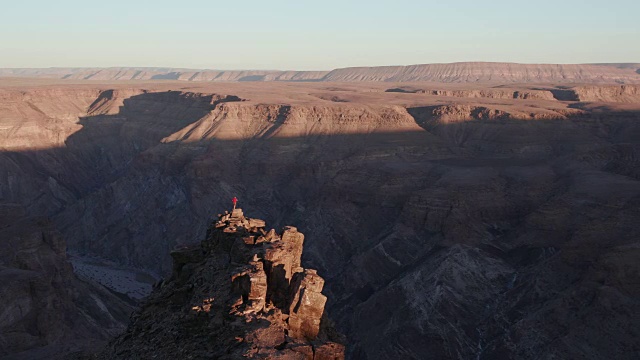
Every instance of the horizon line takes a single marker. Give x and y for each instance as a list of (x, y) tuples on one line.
[(172, 68)]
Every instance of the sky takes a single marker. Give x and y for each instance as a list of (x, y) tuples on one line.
[(314, 35)]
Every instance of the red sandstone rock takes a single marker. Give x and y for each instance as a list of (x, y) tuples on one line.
[(294, 241), (251, 284), (306, 305)]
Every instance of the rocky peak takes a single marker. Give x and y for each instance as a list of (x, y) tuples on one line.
[(241, 293)]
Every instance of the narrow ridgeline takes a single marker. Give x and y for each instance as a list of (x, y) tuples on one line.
[(241, 294)]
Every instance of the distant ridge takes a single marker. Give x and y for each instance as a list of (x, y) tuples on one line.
[(464, 72), (491, 72)]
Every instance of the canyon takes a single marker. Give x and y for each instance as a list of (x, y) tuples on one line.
[(486, 221)]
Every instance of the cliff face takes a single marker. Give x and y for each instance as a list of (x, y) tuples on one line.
[(46, 311), (241, 293), (622, 93), (610, 93), (485, 94), (488, 72)]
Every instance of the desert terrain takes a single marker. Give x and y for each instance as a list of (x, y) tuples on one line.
[(461, 72), (487, 219)]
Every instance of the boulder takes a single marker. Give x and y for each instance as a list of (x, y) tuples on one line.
[(256, 223)]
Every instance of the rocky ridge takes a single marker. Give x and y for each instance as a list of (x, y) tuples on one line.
[(602, 93), (241, 293), (464, 72), (469, 72), (486, 94)]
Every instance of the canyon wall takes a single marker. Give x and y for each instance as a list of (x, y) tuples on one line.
[(47, 312), (458, 230)]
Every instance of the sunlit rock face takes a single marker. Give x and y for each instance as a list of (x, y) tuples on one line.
[(457, 224)]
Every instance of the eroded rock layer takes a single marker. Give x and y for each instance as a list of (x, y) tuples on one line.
[(463, 72)]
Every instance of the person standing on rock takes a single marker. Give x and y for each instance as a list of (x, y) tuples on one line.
[(234, 201)]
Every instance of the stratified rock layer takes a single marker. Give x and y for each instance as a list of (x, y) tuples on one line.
[(240, 294), (464, 72)]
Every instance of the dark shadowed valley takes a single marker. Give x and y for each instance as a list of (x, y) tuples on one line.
[(475, 220)]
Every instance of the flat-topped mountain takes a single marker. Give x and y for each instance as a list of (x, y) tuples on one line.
[(464, 72), (490, 73)]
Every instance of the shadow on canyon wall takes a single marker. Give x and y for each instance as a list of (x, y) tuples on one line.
[(486, 238)]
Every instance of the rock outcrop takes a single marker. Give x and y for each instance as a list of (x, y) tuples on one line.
[(241, 293)]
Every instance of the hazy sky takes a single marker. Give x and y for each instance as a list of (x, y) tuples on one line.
[(308, 35)]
